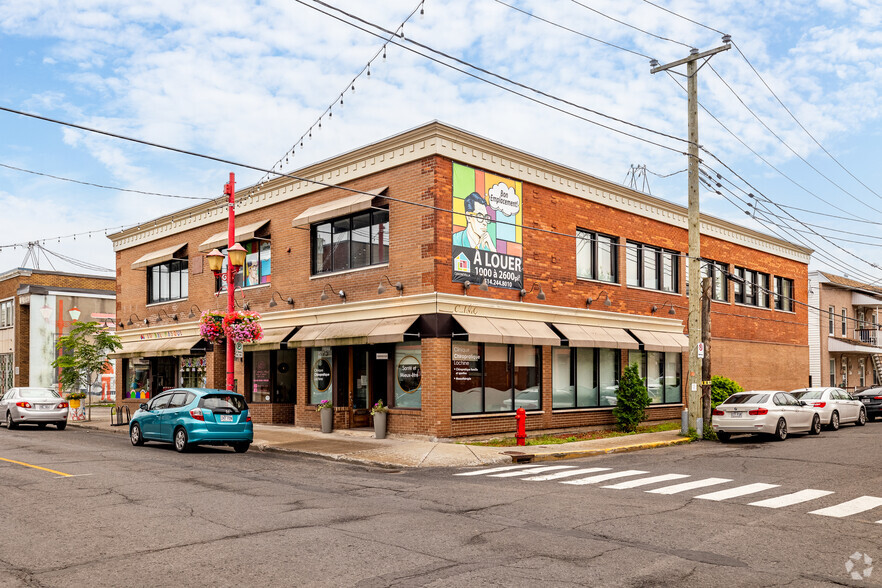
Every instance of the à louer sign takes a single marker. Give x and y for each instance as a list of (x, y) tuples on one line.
[(487, 229)]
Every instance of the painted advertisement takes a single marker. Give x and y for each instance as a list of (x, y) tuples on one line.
[(487, 229)]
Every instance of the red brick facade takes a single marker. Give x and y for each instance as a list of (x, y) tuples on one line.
[(419, 197)]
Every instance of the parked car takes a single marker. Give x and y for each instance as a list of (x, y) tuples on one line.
[(772, 412), (835, 406), (194, 416), (872, 401), (39, 406)]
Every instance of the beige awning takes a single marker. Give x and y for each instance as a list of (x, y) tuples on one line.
[(593, 336), (220, 240), (339, 207), (515, 332), (155, 257), (662, 341), (840, 346), (158, 347), (364, 332), (272, 339)]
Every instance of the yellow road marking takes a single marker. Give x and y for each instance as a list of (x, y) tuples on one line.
[(27, 465)]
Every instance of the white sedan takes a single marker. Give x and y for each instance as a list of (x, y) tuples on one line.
[(764, 411), (835, 405)]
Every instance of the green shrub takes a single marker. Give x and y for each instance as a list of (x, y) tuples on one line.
[(722, 388), (632, 399)]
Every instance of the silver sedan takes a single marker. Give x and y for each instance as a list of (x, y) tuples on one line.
[(835, 405), (40, 406), (772, 412)]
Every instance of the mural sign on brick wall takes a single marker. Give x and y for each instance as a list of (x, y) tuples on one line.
[(487, 229)]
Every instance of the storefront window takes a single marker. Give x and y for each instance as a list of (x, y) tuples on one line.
[(138, 378), (193, 372), (258, 266), (587, 373), (261, 376), (321, 368), (408, 375), (673, 390), (661, 374), (489, 377), (609, 369)]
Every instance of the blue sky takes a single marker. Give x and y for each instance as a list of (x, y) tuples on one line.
[(245, 80)]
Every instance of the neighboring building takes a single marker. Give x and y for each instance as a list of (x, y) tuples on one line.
[(845, 340), (377, 294), (36, 308)]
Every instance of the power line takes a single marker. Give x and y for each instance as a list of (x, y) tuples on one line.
[(793, 116), (575, 32), (36, 173), (684, 17), (621, 22), (792, 150)]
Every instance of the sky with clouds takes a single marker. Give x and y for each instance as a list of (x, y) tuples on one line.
[(245, 80)]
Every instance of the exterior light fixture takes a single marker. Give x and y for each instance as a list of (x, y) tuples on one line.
[(193, 314), (340, 293), (74, 313), (482, 286), (130, 323), (606, 302), (173, 317), (215, 262), (397, 285), (273, 302), (237, 255), (46, 311), (656, 308), (540, 295)]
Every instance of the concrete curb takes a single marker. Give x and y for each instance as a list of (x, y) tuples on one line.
[(580, 453)]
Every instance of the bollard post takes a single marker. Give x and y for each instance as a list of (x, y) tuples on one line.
[(521, 419), (699, 427), (684, 422)]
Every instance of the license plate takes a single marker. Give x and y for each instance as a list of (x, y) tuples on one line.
[(44, 406), (866, 400), (226, 418), (736, 415)]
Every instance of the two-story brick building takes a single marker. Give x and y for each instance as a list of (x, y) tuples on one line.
[(456, 279)]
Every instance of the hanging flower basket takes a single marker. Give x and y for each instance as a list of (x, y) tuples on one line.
[(211, 326), (243, 326)]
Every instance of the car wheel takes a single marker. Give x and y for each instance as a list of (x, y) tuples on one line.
[(241, 447), (135, 435), (723, 436), (781, 430), (10, 424), (834, 421), (816, 426), (181, 440), (61, 425), (862, 418)]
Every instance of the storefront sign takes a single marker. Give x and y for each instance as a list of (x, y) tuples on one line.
[(382, 356), (321, 375), (487, 229), (409, 374)]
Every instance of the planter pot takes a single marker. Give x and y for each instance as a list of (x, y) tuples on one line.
[(74, 403), (327, 419), (380, 425)]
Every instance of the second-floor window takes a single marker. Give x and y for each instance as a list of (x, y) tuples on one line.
[(783, 294), (596, 256), (831, 314), (351, 242), (717, 272), (167, 281), (651, 267), (844, 321), (752, 288), (6, 314), (258, 265)]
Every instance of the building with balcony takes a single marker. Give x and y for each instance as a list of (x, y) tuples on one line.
[(456, 280), (36, 308), (845, 341)]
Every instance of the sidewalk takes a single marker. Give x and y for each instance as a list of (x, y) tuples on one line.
[(359, 446)]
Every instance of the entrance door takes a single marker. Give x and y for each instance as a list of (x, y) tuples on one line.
[(163, 374), (381, 363), (361, 416)]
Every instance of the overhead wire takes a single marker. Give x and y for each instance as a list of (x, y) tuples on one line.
[(629, 25), (684, 17)]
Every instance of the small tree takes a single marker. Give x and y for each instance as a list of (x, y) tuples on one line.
[(632, 398), (84, 355), (722, 388)]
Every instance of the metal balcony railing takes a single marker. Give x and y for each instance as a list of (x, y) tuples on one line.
[(868, 335)]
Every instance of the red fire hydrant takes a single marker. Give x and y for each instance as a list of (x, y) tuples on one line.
[(521, 418)]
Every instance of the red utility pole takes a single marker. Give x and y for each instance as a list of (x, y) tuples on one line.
[(230, 191)]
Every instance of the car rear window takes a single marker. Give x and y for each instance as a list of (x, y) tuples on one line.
[(747, 399), (224, 403), (808, 394), (38, 393)]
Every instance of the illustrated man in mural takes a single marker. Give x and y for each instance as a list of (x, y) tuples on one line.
[(476, 234)]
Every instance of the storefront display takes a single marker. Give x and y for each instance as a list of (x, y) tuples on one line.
[(408, 375), (320, 379)]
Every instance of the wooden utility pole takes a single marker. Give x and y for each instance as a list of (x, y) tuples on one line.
[(706, 295), (694, 322)]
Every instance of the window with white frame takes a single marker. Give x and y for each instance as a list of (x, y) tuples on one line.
[(6, 313), (783, 294), (832, 372), (831, 313), (596, 256), (844, 321)]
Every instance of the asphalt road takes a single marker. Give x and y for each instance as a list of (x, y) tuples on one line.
[(151, 517)]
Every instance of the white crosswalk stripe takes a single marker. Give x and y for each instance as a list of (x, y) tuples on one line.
[(852, 507), (500, 469), (677, 488), (566, 474), (736, 492), (791, 499), (646, 481), (530, 471), (604, 477)]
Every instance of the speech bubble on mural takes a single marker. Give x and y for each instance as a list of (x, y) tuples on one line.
[(504, 199)]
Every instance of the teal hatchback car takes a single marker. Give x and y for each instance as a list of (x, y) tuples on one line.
[(194, 416)]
